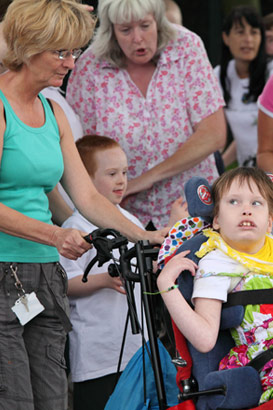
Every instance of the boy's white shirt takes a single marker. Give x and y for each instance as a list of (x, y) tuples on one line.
[(98, 320)]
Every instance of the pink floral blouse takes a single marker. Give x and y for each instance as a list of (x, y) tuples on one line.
[(182, 92)]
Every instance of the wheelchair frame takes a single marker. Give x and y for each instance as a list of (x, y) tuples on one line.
[(144, 254)]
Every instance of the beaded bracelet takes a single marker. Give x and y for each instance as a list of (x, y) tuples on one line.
[(162, 291)]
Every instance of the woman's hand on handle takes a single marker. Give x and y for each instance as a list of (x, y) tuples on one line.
[(70, 242), (156, 237)]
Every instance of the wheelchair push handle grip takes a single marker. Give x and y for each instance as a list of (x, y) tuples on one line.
[(88, 238)]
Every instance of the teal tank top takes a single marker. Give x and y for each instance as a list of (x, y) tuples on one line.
[(31, 166)]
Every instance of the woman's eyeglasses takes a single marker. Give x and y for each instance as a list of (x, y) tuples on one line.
[(64, 54)]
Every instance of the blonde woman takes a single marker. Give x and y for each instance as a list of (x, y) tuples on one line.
[(37, 151)]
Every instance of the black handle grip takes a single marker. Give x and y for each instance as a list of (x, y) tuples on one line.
[(88, 238)]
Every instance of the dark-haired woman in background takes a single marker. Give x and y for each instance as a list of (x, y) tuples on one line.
[(242, 74)]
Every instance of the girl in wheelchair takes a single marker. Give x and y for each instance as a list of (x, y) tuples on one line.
[(237, 255)]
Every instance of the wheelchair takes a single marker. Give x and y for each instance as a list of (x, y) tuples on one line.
[(202, 385)]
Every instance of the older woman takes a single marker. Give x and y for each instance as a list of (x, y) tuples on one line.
[(37, 150), (149, 85)]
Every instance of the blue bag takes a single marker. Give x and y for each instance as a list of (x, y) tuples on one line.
[(129, 391)]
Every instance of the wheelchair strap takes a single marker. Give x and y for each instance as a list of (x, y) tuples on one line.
[(260, 361), (250, 297), (253, 297)]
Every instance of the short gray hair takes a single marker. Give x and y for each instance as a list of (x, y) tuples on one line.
[(105, 45)]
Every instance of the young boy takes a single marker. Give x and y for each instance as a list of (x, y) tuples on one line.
[(237, 255), (99, 307)]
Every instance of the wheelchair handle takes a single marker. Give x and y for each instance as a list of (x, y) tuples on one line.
[(192, 395)]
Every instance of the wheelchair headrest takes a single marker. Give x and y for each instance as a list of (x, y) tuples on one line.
[(198, 197), (200, 208)]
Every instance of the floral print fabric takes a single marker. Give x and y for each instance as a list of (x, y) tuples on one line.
[(253, 336), (255, 333), (182, 91)]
